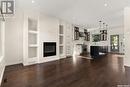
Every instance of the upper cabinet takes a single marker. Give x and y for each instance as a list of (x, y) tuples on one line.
[(76, 33), (81, 33), (103, 35), (87, 35)]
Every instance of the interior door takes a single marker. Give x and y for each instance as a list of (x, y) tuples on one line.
[(114, 43)]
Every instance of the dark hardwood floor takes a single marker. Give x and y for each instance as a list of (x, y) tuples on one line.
[(107, 71)]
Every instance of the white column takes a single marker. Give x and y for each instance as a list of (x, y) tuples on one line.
[(127, 36)]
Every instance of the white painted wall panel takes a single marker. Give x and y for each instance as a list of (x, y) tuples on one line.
[(127, 36)]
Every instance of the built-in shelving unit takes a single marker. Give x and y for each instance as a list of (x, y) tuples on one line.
[(69, 40), (65, 39), (32, 38), (31, 42), (76, 33), (61, 40), (87, 35)]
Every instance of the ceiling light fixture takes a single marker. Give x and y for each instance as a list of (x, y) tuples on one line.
[(33, 1), (105, 4)]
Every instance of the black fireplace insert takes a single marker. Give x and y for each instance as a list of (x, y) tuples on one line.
[(49, 49)]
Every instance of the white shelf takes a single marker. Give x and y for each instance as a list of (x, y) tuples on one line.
[(61, 45), (33, 58), (33, 32), (32, 38), (61, 35), (32, 52), (61, 50), (32, 24), (33, 45)]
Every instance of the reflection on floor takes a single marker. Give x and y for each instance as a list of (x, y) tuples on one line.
[(119, 55)]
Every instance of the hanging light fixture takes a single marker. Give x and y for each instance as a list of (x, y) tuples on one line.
[(100, 24), (103, 25), (106, 26)]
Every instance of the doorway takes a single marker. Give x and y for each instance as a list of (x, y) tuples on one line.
[(114, 43)]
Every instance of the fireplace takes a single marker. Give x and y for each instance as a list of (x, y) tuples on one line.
[(84, 48), (49, 49)]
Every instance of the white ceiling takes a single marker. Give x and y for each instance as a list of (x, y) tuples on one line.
[(83, 12)]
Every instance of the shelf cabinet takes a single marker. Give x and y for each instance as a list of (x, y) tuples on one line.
[(32, 52), (61, 50), (32, 24), (61, 40), (65, 39), (76, 33), (103, 35), (31, 40)]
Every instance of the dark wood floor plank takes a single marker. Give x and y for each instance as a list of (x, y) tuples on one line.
[(107, 71)]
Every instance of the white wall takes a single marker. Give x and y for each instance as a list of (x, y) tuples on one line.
[(14, 38), (49, 27), (127, 36), (2, 58), (0, 42)]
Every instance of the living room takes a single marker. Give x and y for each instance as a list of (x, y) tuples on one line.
[(63, 43)]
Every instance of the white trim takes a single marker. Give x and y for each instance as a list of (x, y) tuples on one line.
[(33, 45), (49, 59), (2, 74), (2, 61), (3, 68)]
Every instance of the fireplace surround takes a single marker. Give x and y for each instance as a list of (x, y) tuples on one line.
[(49, 49)]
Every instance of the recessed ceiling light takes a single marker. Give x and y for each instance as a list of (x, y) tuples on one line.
[(105, 4), (33, 1)]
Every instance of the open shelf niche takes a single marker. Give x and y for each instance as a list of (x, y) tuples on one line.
[(61, 40), (31, 42)]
